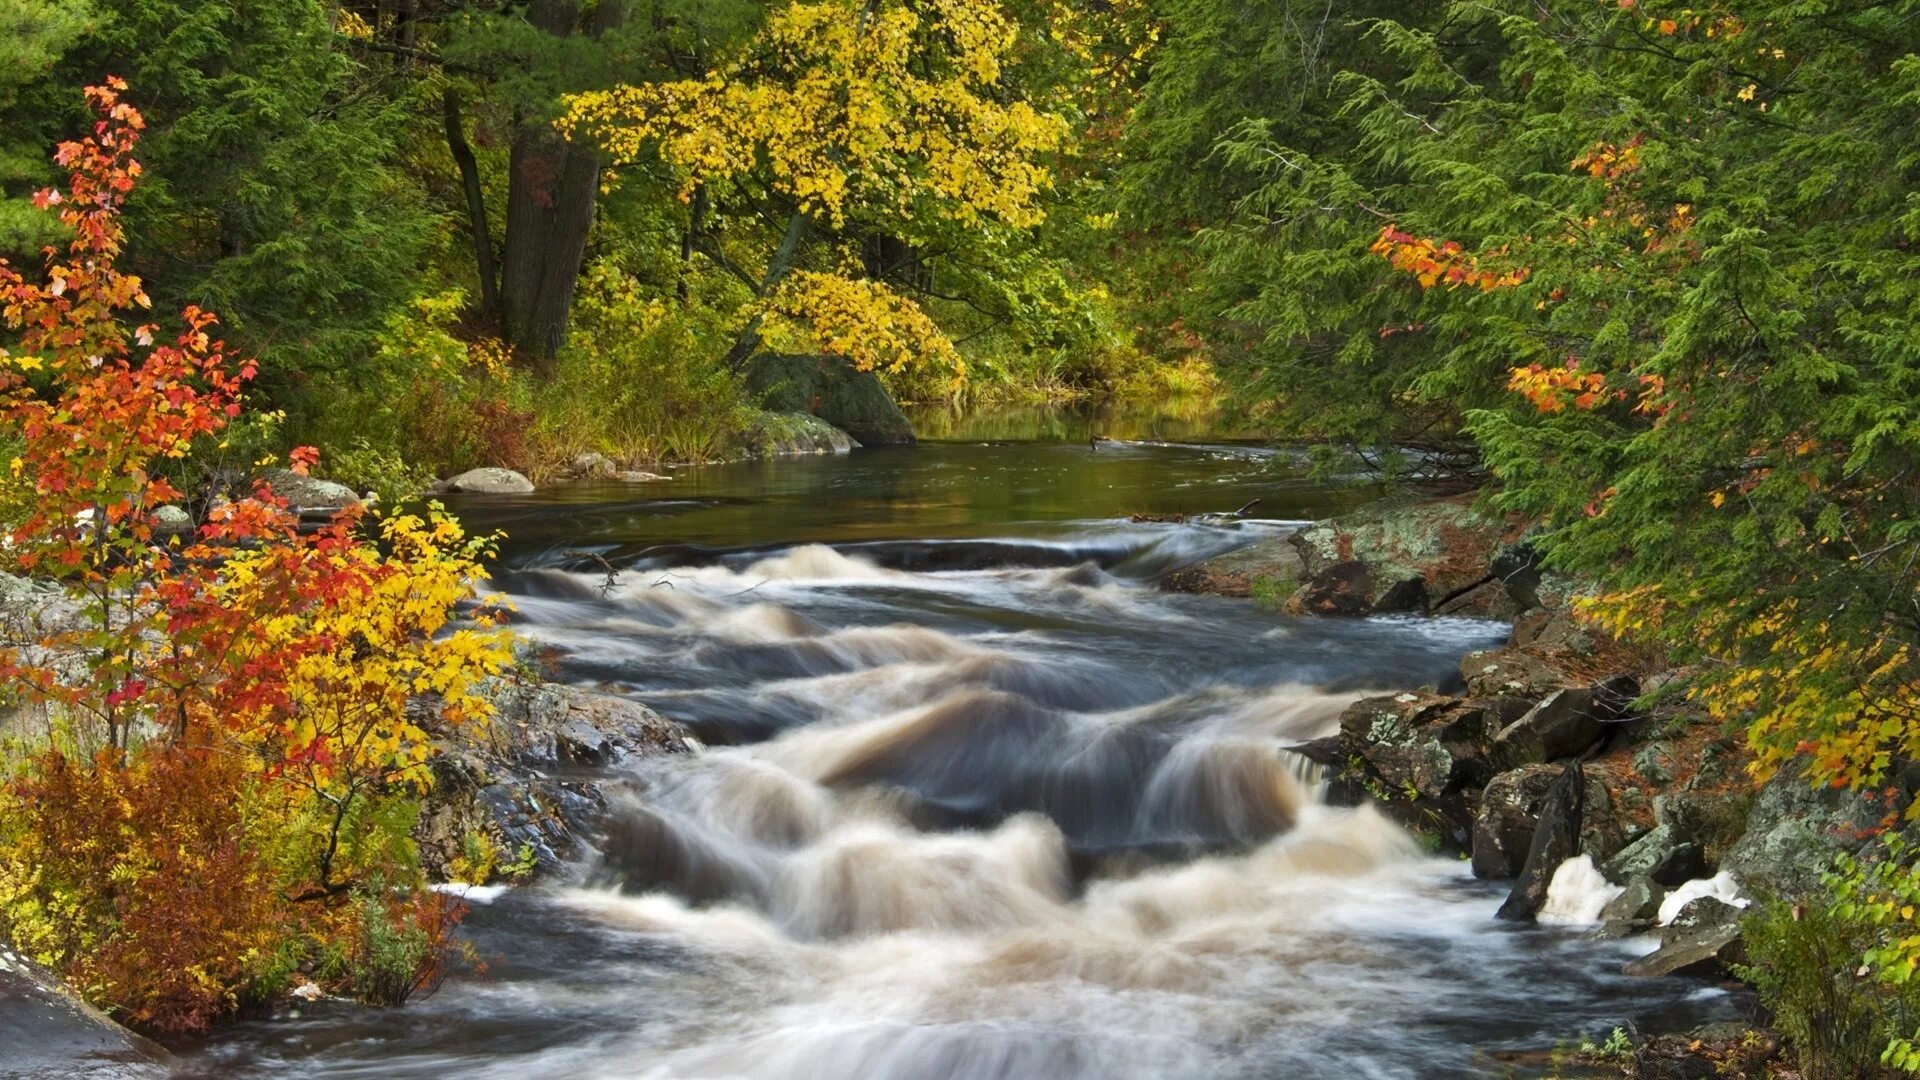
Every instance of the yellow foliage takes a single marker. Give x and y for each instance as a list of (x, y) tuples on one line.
[(865, 321), (845, 104)]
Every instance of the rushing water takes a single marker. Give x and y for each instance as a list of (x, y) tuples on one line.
[(980, 802)]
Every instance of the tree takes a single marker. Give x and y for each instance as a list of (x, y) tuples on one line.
[(842, 124)]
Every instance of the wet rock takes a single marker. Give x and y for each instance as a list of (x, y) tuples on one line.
[(637, 476), (1556, 838), (1424, 744), (1638, 903), (490, 480), (591, 465), (530, 783), (829, 388), (1264, 568), (1707, 952), (308, 494), (47, 1031), (1562, 725), (1794, 830), (1509, 813), (1706, 912), (1341, 589), (1412, 556), (1662, 855)]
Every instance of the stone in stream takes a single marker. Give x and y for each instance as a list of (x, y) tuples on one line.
[(1662, 855), (503, 787), (1555, 840), (1637, 905), (1509, 813), (1710, 952), (490, 480)]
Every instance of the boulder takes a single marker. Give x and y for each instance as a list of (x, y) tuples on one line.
[(1509, 813), (309, 494), (1347, 588), (47, 1031), (1561, 725), (531, 783), (786, 434), (1638, 902), (1412, 556), (1701, 913), (637, 476), (1424, 744), (1794, 830), (171, 520), (591, 465), (1663, 855), (1710, 952), (830, 388), (1268, 567), (1556, 838), (489, 480), (1513, 672)]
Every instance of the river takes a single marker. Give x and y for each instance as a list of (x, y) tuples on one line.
[(979, 800)]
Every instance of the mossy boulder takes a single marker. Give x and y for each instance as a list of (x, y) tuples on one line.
[(1400, 555), (831, 389)]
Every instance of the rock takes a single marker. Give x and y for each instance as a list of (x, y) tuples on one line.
[(786, 434), (1425, 744), (829, 388), (1714, 820), (1711, 952), (170, 520), (1700, 913), (47, 1031), (1343, 589), (1512, 672), (1654, 762), (1413, 556), (308, 494), (1562, 725), (1270, 567), (637, 476), (489, 480), (1794, 830), (1555, 840), (1510, 809), (591, 465), (501, 787), (1638, 902), (1662, 855)]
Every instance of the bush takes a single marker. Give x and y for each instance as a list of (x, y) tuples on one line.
[(1815, 966)]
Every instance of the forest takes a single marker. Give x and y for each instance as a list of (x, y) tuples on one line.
[(1638, 278)]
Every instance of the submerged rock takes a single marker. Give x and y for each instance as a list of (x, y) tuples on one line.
[(490, 480)]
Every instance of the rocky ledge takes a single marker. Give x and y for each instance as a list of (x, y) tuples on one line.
[(1562, 761)]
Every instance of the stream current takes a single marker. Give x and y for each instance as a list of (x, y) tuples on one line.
[(978, 801)]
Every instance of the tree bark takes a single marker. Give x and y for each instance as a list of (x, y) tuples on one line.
[(476, 206), (777, 267), (551, 189)]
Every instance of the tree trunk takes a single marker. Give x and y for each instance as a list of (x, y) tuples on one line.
[(749, 339), (551, 189), (476, 206)]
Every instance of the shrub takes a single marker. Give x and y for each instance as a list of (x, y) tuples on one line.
[(264, 701)]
